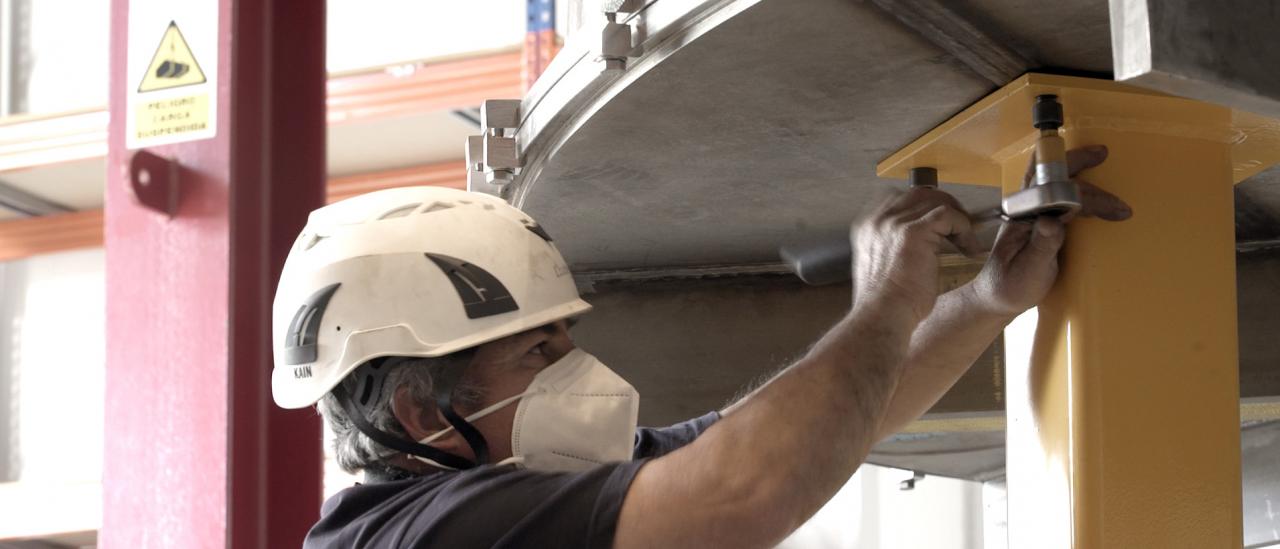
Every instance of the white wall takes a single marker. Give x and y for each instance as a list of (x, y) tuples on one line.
[(873, 512), (371, 33), (70, 54), (52, 354)]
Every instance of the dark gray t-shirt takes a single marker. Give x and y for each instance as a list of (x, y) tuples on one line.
[(494, 506)]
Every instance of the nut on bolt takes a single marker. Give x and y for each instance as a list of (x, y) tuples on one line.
[(499, 177), (499, 157), (615, 43)]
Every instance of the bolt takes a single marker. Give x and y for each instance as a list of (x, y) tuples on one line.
[(499, 177)]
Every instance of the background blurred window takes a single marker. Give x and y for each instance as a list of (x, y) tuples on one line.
[(376, 33), (52, 348), (51, 61)]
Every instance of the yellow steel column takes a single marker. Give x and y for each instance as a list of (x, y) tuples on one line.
[(1129, 397), (1122, 387)]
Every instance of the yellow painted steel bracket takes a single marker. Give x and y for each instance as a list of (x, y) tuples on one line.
[(973, 146), (1123, 395)]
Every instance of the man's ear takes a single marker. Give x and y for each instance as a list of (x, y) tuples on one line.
[(417, 421)]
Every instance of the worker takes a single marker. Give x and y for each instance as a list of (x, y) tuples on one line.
[(432, 328)]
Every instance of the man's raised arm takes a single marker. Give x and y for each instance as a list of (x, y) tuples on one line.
[(778, 456)]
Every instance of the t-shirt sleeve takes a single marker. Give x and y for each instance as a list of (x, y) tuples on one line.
[(495, 506), (653, 443), (490, 507)]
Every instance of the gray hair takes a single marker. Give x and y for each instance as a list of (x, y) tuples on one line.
[(356, 451)]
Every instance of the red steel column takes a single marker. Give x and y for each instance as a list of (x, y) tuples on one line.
[(196, 453)]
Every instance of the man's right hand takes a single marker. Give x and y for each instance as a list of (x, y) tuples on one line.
[(895, 251), (778, 455)]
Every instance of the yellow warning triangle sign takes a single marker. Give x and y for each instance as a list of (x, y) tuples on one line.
[(173, 64)]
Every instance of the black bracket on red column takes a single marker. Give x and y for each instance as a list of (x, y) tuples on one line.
[(153, 180)]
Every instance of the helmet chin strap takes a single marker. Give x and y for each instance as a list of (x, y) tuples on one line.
[(392, 441), (446, 379)]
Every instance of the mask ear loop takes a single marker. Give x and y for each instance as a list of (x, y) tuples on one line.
[(446, 380), (393, 442)]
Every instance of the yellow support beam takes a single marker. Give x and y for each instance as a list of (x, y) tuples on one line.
[(1122, 387)]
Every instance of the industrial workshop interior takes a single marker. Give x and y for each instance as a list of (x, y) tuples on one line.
[(881, 274)]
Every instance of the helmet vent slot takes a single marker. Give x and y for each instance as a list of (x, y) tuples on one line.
[(538, 230), (304, 329), (482, 293), (312, 241), (436, 206), (399, 211)]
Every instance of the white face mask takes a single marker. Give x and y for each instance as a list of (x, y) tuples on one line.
[(576, 414)]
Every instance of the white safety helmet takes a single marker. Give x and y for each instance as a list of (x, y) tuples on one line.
[(413, 271)]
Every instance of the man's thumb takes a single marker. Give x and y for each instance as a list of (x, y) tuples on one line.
[(1047, 238)]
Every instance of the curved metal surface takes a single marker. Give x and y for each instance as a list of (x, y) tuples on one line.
[(576, 83), (744, 125)]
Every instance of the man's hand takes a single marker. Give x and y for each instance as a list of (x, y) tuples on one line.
[(1022, 267), (779, 454), (1024, 261), (896, 250)]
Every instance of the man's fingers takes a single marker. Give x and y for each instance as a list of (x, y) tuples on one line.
[(950, 220), (1046, 238), (891, 205), (916, 202), (1083, 158), (938, 212), (1013, 236), (1031, 169), (1096, 202), (1078, 159), (953, 224), (967, 242)]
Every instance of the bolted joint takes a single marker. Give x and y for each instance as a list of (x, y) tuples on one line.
[(500, 153), (615, 43), (474, 148), (625, 6), (499, 178), (494, 158), (477, 181), (500, 114)]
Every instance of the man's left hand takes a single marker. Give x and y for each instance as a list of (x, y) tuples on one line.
[(1024, 260)]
